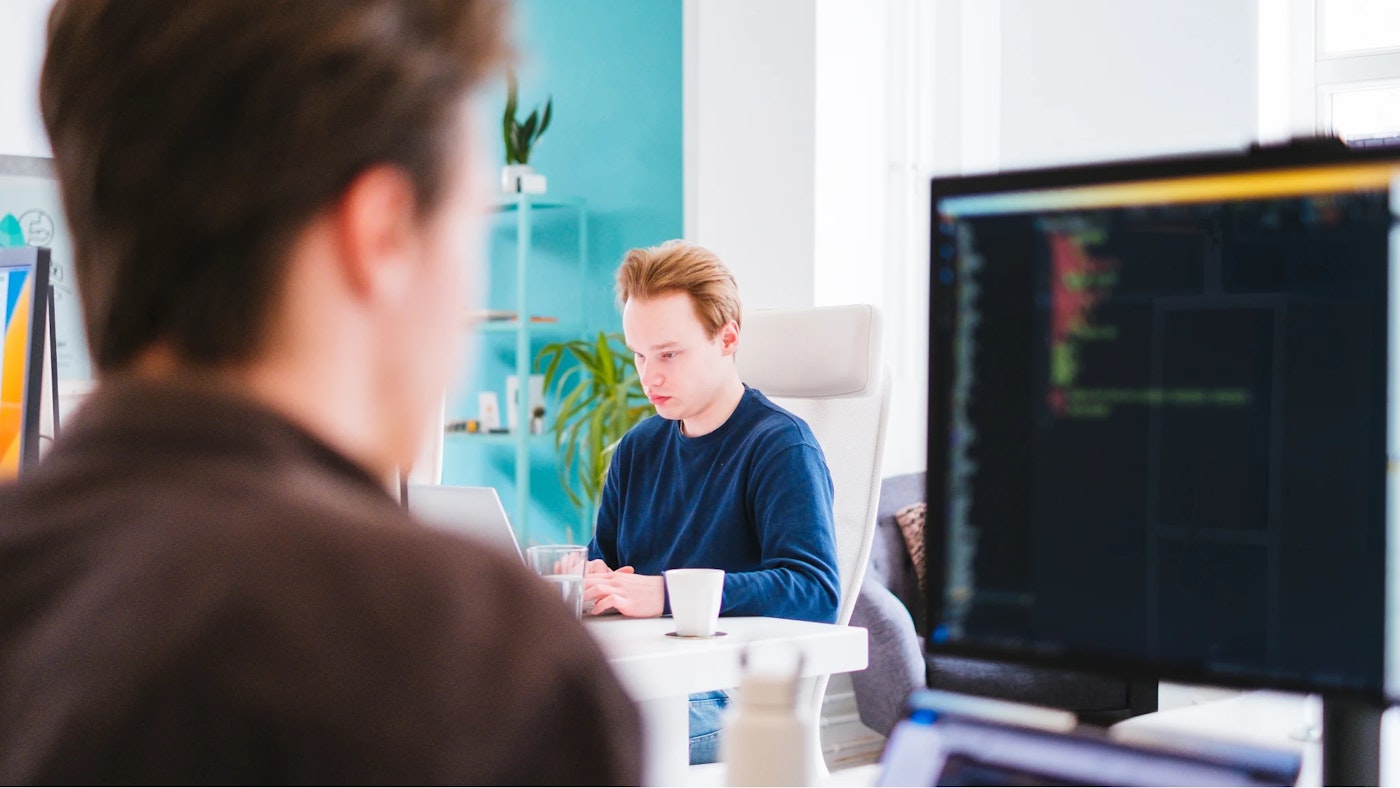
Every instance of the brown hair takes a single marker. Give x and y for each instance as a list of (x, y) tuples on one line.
[(681, 266), (193, 141)]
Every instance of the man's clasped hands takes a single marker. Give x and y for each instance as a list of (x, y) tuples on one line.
[(623, 591)]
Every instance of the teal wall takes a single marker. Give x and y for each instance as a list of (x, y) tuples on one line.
[(613, 68)]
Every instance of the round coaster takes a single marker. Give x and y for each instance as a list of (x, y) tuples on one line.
[(695, 637)]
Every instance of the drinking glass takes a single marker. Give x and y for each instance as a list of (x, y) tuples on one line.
[(561, 565)]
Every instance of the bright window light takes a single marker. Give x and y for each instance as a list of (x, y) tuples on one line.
[(1348, 26), (1370, 113)]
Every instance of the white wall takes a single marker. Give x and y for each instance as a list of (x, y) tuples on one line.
[(893, 91), (750, 142), (870, 186), (790, 175), (850, 77), (21, 55), (1094, 79)]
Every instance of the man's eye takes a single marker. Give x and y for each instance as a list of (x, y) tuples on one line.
[(668, 356)]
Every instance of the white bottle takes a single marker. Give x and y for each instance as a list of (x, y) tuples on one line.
[(767, 741)]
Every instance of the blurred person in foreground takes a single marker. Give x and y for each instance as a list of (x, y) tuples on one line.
[(207, 579)]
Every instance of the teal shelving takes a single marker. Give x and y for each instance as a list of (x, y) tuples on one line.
[(524, 210), (498, 439)]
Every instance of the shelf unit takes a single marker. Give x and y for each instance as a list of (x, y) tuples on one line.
[(523, 207)]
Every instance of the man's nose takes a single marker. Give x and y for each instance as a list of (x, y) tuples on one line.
[(651, 379)]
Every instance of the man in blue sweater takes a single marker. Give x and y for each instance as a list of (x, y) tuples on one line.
[(720, 477)]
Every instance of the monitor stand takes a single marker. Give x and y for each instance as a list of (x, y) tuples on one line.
[(1351, 741), (52, 359)]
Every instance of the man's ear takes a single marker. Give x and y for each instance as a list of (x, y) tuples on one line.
[(729, 338), (374, 223)]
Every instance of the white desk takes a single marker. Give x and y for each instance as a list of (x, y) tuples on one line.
[(1269, 719), (660, 673)]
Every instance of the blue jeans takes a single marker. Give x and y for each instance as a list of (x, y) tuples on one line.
[(706, 717)]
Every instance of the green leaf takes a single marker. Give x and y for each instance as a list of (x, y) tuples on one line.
[(599, 399), (508, 124), (571, 406), (555, 352), (606, 365), (583, 354), (544, 122)]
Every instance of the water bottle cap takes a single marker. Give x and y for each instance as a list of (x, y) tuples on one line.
[(769, 689), (770, 676)]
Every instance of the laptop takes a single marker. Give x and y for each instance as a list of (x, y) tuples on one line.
[(472, 511), (948, 739)]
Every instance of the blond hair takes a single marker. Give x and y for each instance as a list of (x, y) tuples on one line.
[(682, 267)]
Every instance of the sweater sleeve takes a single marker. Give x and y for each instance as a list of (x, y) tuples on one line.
[(790, 500), (604, 542)]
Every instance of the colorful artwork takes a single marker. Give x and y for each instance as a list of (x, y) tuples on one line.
[(11, 233), (14, 346), (31, 214)]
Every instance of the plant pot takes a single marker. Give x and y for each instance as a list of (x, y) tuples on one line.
[(521, 178)]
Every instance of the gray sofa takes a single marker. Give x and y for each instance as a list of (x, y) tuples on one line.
[(888, 606)]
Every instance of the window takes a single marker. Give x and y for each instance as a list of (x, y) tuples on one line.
[(1357, 70), (1346, 27), (1365, 115)]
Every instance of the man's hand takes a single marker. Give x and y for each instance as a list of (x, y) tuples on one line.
[(631, 594)]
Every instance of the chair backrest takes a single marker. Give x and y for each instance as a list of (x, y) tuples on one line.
[(823, 364)]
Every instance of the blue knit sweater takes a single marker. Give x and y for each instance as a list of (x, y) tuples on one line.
[(752, 498)]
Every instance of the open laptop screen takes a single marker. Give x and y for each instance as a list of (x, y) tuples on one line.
[(471, 511)]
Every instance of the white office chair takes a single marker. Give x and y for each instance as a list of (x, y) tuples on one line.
[(823, 364)]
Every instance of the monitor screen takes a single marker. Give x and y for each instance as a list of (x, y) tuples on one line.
[(24, 297), (1162, 418)]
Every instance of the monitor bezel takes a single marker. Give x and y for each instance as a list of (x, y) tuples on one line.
[(35, 259), (943, 288)]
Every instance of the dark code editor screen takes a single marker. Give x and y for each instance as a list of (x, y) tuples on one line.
[(1167, 432)]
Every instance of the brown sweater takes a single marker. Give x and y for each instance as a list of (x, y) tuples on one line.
[(192, 589)]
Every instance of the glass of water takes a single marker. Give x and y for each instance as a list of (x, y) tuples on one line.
[(561, 565)]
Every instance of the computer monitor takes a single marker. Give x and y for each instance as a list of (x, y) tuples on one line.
[(1163, 419), (24, 296)]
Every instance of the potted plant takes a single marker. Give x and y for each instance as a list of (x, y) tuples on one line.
[(600, 399), (520, 138)]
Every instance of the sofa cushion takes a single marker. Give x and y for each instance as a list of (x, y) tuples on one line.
[(911, 524), (890, 563)]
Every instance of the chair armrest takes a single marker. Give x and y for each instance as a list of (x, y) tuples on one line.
[(896, 665)]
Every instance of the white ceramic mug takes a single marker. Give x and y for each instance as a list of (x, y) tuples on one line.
[(695, 598)]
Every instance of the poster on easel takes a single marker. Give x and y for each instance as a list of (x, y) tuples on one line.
[(10, 403), (31, 214), (24, 329)]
